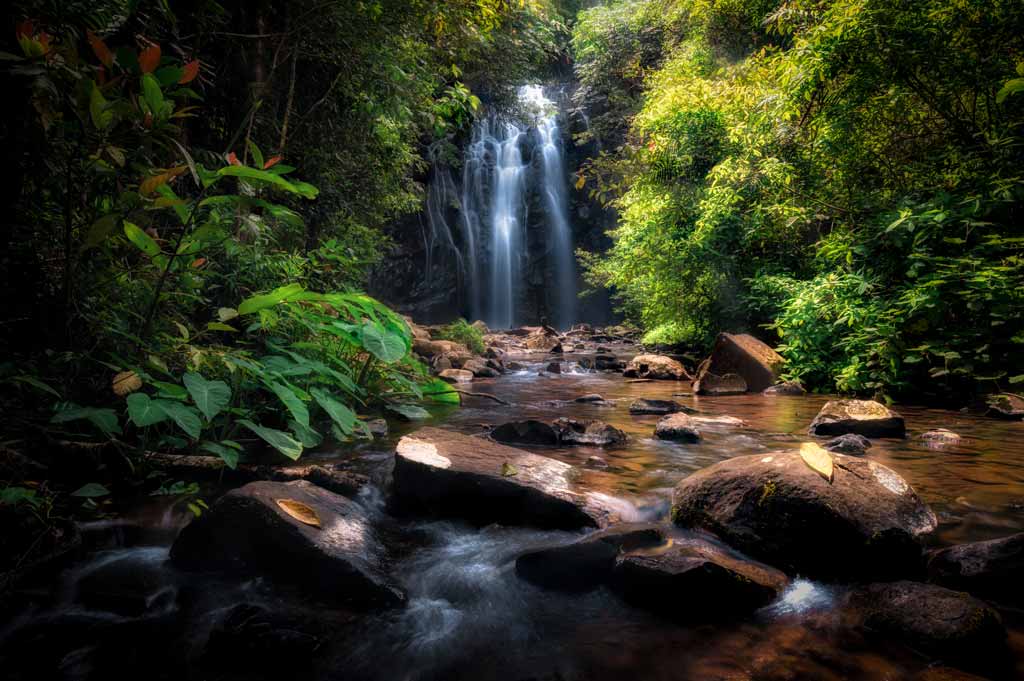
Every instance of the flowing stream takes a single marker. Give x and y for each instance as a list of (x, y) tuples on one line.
[(468, 616)]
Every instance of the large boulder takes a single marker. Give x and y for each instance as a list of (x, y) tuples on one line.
[(339, 559), (948, 624), (679, 427), (719, 384), (993, 569), (543, 341), (746, 356), (851, 443), (865, 524), (658, 407), (862, 417), (587, 563), (695, 579), (788, 388), (425, 347), (480, 368), (526, 432), (1006, 406), (449, 474), (655, 366), (565, 432)]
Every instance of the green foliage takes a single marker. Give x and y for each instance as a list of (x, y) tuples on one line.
[(463, 332), (845, 174)]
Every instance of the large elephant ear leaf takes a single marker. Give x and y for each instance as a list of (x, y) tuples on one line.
[(212, 397), (278, 439), (342, 416), (384, 344)]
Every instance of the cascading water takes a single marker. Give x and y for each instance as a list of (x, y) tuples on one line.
[(496, 185)]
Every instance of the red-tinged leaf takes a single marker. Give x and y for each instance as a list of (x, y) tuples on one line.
[(100, 49), (272, 161), (24, 30), (44, 41), (148, 120), (101, 76), (198, 262), (233, 159), (149, 59), (189, 72), (150, 184)]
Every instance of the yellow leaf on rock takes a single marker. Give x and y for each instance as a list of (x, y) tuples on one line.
[(820, 460), (302, 512), (508, 469), (125, 382)]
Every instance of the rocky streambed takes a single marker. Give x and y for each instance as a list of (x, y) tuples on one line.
[(605, 516)]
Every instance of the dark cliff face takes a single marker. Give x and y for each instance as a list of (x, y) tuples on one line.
[(423, 274)]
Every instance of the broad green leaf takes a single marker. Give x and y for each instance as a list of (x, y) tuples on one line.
[(143, 411), (36, 383), (385, 345), (218, 326), (410, 412), (143, 241), (152, 95), (228, 454), (303, 189), (266, 300), (342, 416), (439, 391), (171, 390), (1019, 378), (101, 229), (91, 490), (279, 440), (185, 416), (296, 407), (304, 434), (212, 397), (104, 419)]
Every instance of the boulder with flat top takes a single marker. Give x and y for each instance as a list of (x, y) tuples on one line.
[(861, 417), (747, 357), (657, 367)]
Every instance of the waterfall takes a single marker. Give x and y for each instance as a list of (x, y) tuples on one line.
[(496, 185)]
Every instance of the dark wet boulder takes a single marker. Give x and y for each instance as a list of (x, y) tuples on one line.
[(658, 367), (788, 388), (993, 569), (747, 357), (527, 432), (553, 368), (588, 432), (658, 407), (1006, 406), (851, 443), (862, 417), (249, 531), (948, 624), (588, 563), (679, 427), (480, 368), (713, 385), (697, 579), (607, 363), (452, 475), (456, 376), (866, 524)]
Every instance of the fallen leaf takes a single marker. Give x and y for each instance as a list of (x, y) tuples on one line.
[(126, 382), (820, 460), (508, 469), (302, 512)]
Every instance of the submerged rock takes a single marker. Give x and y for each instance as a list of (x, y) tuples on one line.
[(588, 432), (591, 398), (866, 524), (529, 432), (655, 366), (587, 563), (678, 427), (742, 354), (862, 417), (789, 388), (851, 443), (247, 530), (715, 385), (658, 407), (695, 579), (948, 624), (940, 437), (993, 569), (449, 474), (456, 376)]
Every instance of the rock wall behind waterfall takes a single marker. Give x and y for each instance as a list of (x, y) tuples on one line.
[(427, 273)]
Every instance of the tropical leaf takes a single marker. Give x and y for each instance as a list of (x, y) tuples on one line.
[(104, 419), (410, 412), (91, 490), (296, 407), (267, 300), (279, 440), (227, 453), (144, 411), (143, 241), (342, 416), (183, 415), (385, 345), (212, 397)]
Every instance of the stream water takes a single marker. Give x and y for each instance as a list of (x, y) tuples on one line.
[(469, 616)]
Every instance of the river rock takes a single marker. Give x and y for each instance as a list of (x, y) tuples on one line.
[(851, 443), (742, 354), (542, 341), (456, 376), (448, 474), (378, 428), (720, 420), (658, 407), (948, 624), (480, 368), (863, 417), (656, 367), (940, 437), (590, 398), (714, 385), (695, 579), (679, 427), (789, 388), (993, 569), (586, 564), (588, 432), (1006, 406), (866, 524), (247, 531), (606, 363), (429, 348), (554, 368), (528, 432), (480, 326)]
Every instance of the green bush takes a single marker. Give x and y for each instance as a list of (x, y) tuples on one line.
[(463, 332)]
